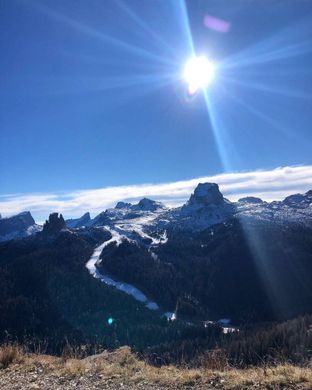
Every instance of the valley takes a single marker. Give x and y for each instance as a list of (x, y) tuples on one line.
[(165, 280)]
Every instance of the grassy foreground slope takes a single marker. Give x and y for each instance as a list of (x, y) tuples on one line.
[(122, 369)]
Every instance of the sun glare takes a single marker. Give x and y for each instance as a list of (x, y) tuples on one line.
[(198, 73)]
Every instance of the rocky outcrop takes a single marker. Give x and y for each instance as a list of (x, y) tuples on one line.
[(54, 224)]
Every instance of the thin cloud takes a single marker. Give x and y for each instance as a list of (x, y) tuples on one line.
[(270, 185)]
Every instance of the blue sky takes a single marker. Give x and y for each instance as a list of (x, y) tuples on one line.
[(91, 92)]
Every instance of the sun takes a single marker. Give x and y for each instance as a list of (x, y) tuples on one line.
[(198, 73)]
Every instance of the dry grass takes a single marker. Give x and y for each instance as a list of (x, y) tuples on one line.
[(122, 366), (269, 377), (9, 354)]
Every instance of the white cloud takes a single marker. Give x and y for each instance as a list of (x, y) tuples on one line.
[(268, 184)]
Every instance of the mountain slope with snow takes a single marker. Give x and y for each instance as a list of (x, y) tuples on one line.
[(18, 226), (206, 207), (247, 261), (172, 248), (78, 222)]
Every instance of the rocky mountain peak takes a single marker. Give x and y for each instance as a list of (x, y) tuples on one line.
[(54, 224), (122, 205), (206, 194), (26, 217), (206, 207), (250, 200), (299, 200), (309, 194), (148, 205), (78, 222), (17, 223)]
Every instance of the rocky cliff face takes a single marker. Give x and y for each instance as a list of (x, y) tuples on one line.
[(16, 226), (206, 194), (18, 222), (206, 207)]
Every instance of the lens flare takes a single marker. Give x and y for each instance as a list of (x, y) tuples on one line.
[(110, 321), (198, 73)]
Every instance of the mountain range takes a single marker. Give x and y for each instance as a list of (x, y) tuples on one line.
[(206, 207), (242, 262)]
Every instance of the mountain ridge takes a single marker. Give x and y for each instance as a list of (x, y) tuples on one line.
[(205, 207)]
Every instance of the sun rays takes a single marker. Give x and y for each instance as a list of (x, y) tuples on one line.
[(151, 67), (148, 69)]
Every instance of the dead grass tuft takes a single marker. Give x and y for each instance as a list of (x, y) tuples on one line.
[(10, 354), (214, 360)]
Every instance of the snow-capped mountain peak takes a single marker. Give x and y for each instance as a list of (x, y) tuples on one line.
[(146, 204), (78, 222), (206, 194), (299, 200), (206, 207)]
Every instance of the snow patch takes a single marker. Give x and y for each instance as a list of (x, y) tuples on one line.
[(129, 289)]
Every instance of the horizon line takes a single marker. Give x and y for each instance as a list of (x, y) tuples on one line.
[(269, 185)]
